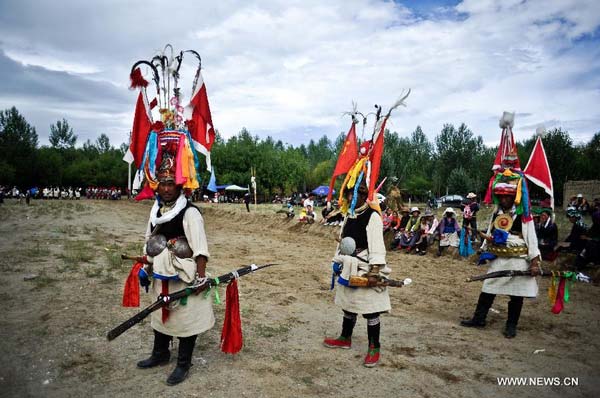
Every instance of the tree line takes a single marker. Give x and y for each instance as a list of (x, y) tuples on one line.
[(457, 161)]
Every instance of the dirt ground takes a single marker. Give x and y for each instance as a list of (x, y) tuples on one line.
[(61, 283)]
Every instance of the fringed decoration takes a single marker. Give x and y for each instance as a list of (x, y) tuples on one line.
[(137, 80), (231, 335), (355, 195), (553, 289), (215, 288), (559, 302), (131, 292)]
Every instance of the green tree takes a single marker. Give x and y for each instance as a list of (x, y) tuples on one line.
[(459, 181), (18, 144), (61, 135), (103, 144)]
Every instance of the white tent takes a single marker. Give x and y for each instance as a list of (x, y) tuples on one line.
[(235, 188)]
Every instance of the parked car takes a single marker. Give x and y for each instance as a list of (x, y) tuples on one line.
[(450, 201)]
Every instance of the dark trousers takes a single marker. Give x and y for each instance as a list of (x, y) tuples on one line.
[(485, 302), (473, 224), (373, 326)]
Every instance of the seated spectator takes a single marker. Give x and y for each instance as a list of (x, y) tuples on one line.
[(395, 223), (429, 226), (547, 234), (404, 217), (387, 219), (412, 231), (591, 251), (449, 230), (582, 205), (575, 242)]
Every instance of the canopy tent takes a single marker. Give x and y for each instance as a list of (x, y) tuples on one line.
[(222, 187), (322, 190), (235, 188)]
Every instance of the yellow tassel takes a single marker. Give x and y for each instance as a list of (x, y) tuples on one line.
[(519, 192), (553, 289)]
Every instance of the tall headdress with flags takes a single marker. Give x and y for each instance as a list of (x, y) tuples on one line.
[(508, 179), (361, 163), (538, 169), (179, 134)]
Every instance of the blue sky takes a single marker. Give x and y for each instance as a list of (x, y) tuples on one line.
[(289, 69)]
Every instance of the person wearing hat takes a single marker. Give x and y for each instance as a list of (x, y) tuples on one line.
[(449, 230), (412, 230), (429, 226), (470, 210), (173, 267), (510, 244), (575, 242), (547, 234), (365, 226)]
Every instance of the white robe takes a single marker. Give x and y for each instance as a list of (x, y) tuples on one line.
[(197, 315), (364, 300), (523, 286)]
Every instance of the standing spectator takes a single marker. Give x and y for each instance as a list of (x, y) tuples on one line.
[(309, 201), (247, 201), (470, 210)]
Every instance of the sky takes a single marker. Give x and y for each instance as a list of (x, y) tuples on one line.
[(290, 69)]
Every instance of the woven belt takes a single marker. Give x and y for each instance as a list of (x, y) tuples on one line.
[(504, 251)]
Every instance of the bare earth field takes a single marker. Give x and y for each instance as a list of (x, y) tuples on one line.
[(61, 285)]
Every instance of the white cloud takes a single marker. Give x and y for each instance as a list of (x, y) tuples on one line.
[(280, 66)]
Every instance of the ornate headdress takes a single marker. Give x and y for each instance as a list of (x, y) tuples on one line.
[(168, 148), (508, 179), (361, 164)]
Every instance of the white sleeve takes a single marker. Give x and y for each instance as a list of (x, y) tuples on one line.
[(530, 238), (193, 226), (375, 240)]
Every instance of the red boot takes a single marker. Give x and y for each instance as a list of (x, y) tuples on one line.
[(340, 342), (372, 357)]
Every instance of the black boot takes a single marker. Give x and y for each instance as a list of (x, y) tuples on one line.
[(160, 352), (483, 306), (184, 360), (514, 312)]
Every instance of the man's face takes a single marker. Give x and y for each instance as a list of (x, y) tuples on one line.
[(168, 191), (506, 201), (544, 217)]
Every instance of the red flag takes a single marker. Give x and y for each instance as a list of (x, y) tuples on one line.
[(346, 159), (200, 125), (538, 169), (141, 128), (375, 158)]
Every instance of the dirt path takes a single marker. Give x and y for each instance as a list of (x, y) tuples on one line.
[(52, 332)]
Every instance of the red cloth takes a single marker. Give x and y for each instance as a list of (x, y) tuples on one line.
[(559, 304), (231, 335), (139, 132), (346, 159), (375, 158), (201, 129), (131, 292)]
